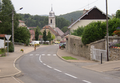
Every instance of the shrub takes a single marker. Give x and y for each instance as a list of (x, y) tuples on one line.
[(11, 47), (78, 31), (94, 31)]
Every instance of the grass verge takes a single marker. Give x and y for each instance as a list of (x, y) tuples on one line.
[(69, 58)]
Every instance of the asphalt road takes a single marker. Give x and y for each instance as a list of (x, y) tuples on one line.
[(44, 66)]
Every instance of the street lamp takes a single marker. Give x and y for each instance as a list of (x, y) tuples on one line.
[(13, 25), (107, 30)]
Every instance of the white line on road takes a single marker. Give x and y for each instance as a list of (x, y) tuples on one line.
[(43, 54), (86, 81), (44, 64), (70, 75), (54, 54), (49, 54), (57, 70), (49, 66)]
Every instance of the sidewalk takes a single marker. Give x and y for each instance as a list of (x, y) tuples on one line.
[(95, 66), (7, 66)]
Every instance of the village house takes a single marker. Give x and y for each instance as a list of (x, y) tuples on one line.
[(92, 15), (22, 24)]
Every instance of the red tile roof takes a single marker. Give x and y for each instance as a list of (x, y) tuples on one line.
[(32, 32), (48, 27), (21, 21), (2, 35)]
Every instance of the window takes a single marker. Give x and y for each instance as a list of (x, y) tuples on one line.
[(51, 21)]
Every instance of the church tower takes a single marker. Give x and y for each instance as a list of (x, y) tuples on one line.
[(51, 20)]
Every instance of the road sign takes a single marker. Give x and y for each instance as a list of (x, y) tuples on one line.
[(7, 37)]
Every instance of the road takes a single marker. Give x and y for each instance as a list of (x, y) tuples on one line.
[(44, 66)]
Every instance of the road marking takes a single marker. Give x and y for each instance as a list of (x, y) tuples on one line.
[(49, 66), (86, 81), (44, 64), (54, 54), (31, 54), (43, 54), (70, 75), (49, 54), (57, 70)]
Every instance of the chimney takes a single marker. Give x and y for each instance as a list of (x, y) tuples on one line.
[(84, 11)]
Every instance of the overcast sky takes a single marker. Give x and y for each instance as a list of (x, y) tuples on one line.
[(42, 7)]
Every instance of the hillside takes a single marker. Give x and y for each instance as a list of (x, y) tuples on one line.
[(73, 15)]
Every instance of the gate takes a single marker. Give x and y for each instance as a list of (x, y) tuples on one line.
[(96, 54)]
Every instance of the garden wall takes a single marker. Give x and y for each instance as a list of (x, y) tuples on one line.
[(75, 46)]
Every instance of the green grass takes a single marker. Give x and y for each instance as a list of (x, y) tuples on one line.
[(0, 52), (69, 58)]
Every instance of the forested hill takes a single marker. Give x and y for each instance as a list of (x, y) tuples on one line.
[(62, 21), (73, 15)]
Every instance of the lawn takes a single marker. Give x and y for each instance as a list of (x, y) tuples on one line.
[(69, 58)]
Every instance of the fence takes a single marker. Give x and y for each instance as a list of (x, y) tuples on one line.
[(96, 54)]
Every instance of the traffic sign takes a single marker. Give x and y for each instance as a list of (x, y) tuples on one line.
[(7, 37)]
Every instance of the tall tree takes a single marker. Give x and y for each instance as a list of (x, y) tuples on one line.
[(44, 36), (6, 17), (37, 33), (22, 34), (49, 36)]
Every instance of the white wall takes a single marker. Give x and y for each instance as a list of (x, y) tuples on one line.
[(83, 23), (1, 43)]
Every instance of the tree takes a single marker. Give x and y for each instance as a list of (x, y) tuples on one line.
[(44, 36), (49, 36), (78, 31), (6, 17), (93, 32), (64, 29), (53, 37), (37, 31), (22, 35), (118, 14)]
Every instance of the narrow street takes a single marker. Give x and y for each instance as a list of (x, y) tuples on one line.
[(44, 66)]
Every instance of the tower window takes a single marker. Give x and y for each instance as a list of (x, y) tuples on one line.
[(51, 20)]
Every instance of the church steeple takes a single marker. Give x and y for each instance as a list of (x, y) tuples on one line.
[(51, 19)]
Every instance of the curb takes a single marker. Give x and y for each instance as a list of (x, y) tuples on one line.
[(19, 73)]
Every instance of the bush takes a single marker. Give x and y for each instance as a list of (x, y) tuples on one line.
[(11, 47), (78, 32), (27, 42), (94, 31)]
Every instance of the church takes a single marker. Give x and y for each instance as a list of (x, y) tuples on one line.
[(52, 27)]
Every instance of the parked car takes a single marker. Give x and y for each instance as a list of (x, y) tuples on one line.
[(57, 42), (63, 44)]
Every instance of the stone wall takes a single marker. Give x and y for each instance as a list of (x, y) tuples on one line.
[(75, 46), (114, 54)]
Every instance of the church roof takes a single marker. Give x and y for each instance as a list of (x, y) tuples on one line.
[(48, 27), (59, 31)]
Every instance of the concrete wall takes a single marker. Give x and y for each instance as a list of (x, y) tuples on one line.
[(1, 43), (82, 23)]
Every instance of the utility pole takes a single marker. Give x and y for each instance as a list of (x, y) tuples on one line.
[(13, 27), (107, 30)]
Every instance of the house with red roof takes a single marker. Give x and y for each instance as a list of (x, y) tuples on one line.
[(22, 24), (92, 15), (32, 35)]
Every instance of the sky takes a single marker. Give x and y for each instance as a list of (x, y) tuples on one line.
[(43, 7)]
